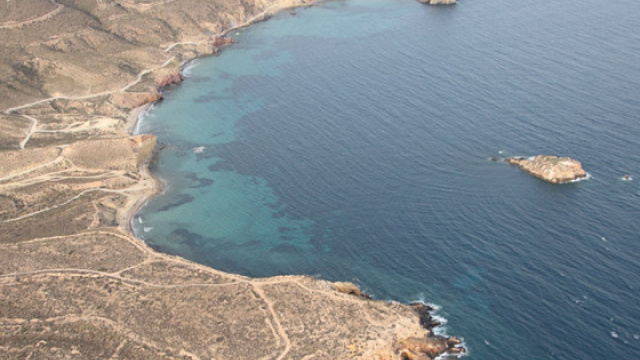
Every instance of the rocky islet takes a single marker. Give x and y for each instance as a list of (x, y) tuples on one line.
[(550, 168)]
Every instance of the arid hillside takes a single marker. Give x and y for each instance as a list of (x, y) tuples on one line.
[(74, 283)]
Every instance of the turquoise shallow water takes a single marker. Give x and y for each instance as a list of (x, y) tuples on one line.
[(351, 142)]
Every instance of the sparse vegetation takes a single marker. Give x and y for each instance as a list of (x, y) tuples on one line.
[(73, 282)]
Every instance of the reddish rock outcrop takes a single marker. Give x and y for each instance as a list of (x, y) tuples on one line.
[(553, 169), (221, 41), (168, 78), (134, 100)]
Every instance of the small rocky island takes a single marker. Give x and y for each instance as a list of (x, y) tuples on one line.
[(438, 2), (554, 169)]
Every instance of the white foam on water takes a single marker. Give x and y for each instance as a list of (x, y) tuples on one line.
[(614, 334), (442, 329), (454, 356), (198, 150), (147, 229), (141, 118), (582, 179), (187, 69)]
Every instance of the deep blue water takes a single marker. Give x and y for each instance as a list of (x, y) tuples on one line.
[(351, 142)]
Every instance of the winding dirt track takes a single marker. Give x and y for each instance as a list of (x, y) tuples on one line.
[(33, 176), (259, 17), (34, 122), (150, 256), (279, 331), (45, 17)]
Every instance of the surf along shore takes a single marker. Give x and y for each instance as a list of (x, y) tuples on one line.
[(74, 281)]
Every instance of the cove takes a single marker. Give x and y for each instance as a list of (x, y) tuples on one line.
[(351, 142)]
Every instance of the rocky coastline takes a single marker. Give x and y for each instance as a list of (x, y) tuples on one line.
[(74, 282)]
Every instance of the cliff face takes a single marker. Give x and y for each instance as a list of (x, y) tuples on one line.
[(73, 282), (552, 169)]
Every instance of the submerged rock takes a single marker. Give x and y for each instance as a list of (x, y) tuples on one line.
[(553, 169)]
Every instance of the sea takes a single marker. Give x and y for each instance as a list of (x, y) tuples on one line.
[(352, 141)]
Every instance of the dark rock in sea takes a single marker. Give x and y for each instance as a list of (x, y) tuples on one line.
[(424, 312)]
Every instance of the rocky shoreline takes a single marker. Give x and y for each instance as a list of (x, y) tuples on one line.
[(71, 178)]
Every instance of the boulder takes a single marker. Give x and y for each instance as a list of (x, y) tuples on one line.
[(351, 289)]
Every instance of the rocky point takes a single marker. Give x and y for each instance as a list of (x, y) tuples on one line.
[(550, 168)]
